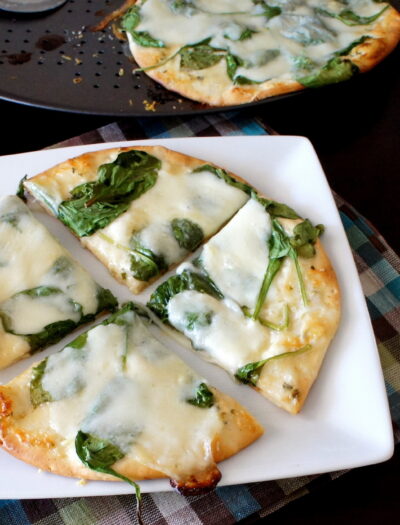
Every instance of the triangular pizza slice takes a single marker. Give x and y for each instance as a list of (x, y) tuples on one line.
[(44, 292), (115, 403), (141, 210), (261, 300)]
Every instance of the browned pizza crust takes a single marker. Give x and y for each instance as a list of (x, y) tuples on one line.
[(39, 446), (385, 37), (68, 174), (212, 85)]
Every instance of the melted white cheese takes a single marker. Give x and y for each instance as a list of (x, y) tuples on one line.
[(294, 32), (200, 197), (29, 259), (140, 407), (230, 338), (29, 315), (237, 257)]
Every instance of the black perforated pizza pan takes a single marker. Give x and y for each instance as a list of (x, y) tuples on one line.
[(54, 60)]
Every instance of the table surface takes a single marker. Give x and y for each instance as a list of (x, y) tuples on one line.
[(355, 129)]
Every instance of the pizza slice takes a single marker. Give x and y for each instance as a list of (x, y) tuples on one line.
[(115, 403), (238, 51), (44, 293), (140, 210), (261, 300)]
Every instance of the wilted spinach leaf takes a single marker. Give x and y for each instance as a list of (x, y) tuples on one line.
[(95, 204), (105, 300), (280, 246), (335, 70), (187, 234), (269, 11), (203, 398), (200, 55), (277, 209), (38, 394), (194, 319), (250, 374), (348, 17), (130, 21), (145, 264), (50, 334), (99, 455), (304, 238), (232, 64), (186, 280), (222, 174), (304, 63), (346, 50), (119, 317)]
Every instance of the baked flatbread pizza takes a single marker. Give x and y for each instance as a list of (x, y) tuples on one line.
[(115, 403), (261, 300), (140, 210), (44, 293), (236, 51)]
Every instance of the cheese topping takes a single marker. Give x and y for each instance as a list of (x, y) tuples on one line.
[(236, 258), (220, 328), (200, 197), (268, 37), (41, 283), (139, 404)]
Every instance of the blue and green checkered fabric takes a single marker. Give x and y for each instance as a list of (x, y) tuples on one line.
[(379, 270)]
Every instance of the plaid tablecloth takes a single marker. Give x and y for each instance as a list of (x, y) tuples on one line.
[(379, 269)]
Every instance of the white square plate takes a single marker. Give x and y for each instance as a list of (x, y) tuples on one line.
[(345, 422)]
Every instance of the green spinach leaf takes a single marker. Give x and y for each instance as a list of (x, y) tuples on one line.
[(51, 334), (130, 21), (120, 318), (200, 56), (304, 63), (304, 238), (145, 264), (276, 209), (187, 234), (269, 11), (335, 70), (194, 319), (346, 50), (250, 374), (95, 204), (38, 394), (186, 280), (232, 64), (99, 455), (21, 190), (203, 398), (348, 17), (222, 174), (105, 300)]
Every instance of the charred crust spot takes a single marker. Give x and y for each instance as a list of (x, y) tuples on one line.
[(193, 486)]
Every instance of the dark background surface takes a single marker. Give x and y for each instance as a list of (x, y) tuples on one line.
[(355, 130)]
